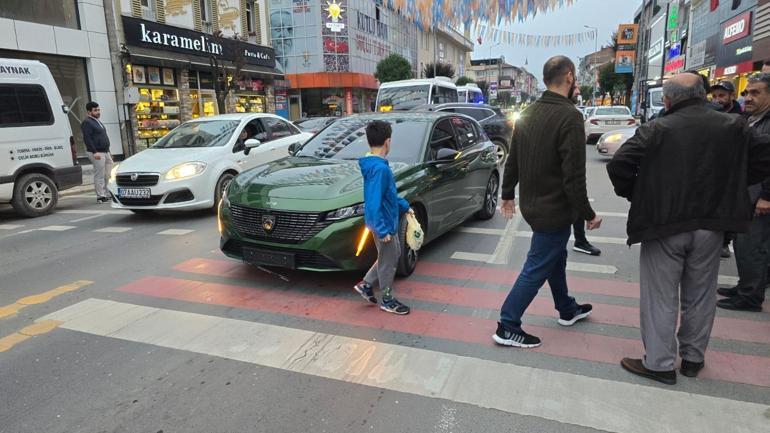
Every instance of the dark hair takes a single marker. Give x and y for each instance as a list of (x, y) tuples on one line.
[(704, 79), (766, 62), (761, 78), (377, 131), (91, 105), (556, 68)]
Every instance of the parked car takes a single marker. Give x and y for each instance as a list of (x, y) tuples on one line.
[(306, 211), (314, 124), (610, 142), (606, 119), (497, 126), (191, 166), (39, 158)]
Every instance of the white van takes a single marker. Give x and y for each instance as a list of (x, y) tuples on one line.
[(407, 94), (37, 150), (470, 93)]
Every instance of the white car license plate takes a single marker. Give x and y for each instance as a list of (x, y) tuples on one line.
[(133, 192), (612, 122)]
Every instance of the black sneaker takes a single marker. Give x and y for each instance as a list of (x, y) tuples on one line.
[(366, 291), (738, 304), (102, 199), (521, 339), (726, 254), (586, 248), (691, 369), (393, 306), (581, 313), (727, 292)]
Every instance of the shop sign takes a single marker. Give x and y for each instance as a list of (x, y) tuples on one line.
[(335, 11), (736, 28), (675, 65), (150, 34), (673, 16), (740, 68), (656, 49), (373, 27)]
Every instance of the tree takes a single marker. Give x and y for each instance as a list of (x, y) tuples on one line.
[(463, 81), (587, 92), (442, 70), (613, 83), (393, 68), (484, 86), (225, 78)]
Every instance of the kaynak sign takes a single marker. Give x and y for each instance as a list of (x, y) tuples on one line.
[(150, 34)]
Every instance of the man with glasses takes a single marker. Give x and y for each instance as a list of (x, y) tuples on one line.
[(752, 249)]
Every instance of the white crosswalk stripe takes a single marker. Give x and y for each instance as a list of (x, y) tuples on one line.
[(56, 228), (528, 234), (10, 226), (113, 230), (175, 232)]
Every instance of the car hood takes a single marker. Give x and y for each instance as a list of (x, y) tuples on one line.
[(162, 160), (301, 179)]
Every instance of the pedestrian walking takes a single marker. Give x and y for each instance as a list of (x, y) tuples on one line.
[(752, 249), (548, 163), (687, 187), (98, 149), (581, 244), (382, 211)]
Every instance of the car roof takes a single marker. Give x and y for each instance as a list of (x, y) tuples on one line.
[(431, 107), (426, 116)]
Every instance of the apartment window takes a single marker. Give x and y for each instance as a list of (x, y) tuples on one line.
[(206, 16), (148, 9), (250, 23), (61, 13)]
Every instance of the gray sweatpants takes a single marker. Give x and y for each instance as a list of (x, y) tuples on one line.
[(383, 272), (690, 261), (102, 169)]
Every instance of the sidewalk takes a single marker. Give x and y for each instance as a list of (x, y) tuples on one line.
[(88, 183)]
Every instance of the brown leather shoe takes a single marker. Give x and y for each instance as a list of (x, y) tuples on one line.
[(636, 367)]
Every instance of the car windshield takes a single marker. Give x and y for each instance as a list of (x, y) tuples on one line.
[(402, 98), (314, 123), (209, 133), (346, 139), (613, 111)]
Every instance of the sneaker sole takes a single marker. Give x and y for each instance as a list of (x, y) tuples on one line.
[(574, 320), (387, 310), (512, 343), (589, 252), (371, 300)]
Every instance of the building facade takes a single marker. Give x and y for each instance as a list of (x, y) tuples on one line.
[(504, 77), (445, 45), (70, 37), (590, 65)]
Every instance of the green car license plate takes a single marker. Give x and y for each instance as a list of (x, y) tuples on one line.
[(256, 256)]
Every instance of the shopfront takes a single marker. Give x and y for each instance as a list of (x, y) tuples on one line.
[(250, 96), (735, 57)]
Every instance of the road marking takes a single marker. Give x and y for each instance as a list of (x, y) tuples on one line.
[(727, 280), (504, 248), (12, 309), (10, 226), (38, 328), (93, 211), (472, 257), (87, 218), (571, 266), (528, 234), (175, 232), (557, 396), (56, 228), (113, 230)]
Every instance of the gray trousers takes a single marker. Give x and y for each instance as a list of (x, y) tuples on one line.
[(102, 169), (689, 261), (752, 255), (383, 272)]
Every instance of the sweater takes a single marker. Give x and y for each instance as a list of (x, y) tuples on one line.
[(548, 162), (382, 205)]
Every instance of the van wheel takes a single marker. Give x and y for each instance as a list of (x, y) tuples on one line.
[(34, 195)]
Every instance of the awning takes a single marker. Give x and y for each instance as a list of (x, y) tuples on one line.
[(171, 59)]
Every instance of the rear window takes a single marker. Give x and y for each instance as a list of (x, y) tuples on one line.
[(477, 113), (24, 105), (613, 111)]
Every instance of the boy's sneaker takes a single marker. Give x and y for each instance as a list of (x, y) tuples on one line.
[(366, 291), (393, 306), (521, 339), (586, 248), (581, 313)]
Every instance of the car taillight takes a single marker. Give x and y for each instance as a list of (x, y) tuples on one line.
[(632, 122), (594, 122), (73, 150)]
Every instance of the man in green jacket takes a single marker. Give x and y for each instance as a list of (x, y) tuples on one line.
[(548, 162)]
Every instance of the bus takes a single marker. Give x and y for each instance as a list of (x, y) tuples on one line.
[(470, 93), (407, 94)]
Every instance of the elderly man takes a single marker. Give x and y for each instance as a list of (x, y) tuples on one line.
[(686, 189)]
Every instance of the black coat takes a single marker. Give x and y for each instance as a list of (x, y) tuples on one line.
[(95, 136), (690, 170), (761, 190)]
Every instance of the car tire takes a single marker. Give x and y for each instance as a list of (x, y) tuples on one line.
[(501, 151), (491, 194), (407, 261), (34, 195), (220, 187)]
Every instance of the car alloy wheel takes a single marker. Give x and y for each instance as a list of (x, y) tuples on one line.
[(502, 154), (490, 198), (34, 195)]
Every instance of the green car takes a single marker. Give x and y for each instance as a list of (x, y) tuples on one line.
[(306, 211)]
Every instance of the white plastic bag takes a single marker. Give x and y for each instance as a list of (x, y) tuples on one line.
[(414, 234)]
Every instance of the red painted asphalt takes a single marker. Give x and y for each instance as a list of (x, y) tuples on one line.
[(569, 343)]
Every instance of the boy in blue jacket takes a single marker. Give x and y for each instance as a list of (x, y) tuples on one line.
[(382, 211)]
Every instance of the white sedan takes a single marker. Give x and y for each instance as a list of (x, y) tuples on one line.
[(191, 167), (606, 119)]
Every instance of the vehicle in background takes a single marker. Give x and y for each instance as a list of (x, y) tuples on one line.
[(497, 126), (587, 112), (407, 94), (314, 124), (191, 167), (470, 93), (652, 104), (610, 142), (306, 211), (606, 119), (37, 150)]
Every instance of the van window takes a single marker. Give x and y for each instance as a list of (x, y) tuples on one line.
[(24, 105), (443, 95)]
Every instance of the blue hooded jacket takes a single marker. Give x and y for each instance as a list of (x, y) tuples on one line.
[(382, 205)]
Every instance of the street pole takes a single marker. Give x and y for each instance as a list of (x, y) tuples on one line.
[(596, 49)]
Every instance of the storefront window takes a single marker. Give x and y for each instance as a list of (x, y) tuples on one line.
[(157, 112), (62, 13), (202, 95)]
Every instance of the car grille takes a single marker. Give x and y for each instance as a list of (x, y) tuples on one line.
[(152, 201), (124, 179), (289, 227), (302, 258)]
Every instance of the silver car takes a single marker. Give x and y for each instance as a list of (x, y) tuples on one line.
[(611, 141)]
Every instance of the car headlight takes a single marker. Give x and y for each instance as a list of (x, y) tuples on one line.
[(183, 171), (346, 212), (613, 138), (114, 172)]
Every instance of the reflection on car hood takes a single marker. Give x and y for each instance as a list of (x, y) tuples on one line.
[(162, 160)]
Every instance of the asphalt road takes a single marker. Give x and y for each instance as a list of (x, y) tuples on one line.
[(112, 322)]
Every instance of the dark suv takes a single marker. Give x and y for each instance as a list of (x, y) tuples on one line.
[(498, 128)]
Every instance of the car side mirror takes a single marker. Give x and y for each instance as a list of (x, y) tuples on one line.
[(445, 155), (252, 143), (294, 148)]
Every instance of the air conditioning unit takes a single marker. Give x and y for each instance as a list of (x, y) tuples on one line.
[(148, 14)]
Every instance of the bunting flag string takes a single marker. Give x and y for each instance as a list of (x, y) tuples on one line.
[(488, 33)]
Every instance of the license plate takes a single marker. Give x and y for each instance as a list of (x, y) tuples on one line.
[(612, 122), (269, 258), (133, 192)]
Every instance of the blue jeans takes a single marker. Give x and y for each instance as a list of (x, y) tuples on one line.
[(546, 261)]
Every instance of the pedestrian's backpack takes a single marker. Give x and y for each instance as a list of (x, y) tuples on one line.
[(414, 234)]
